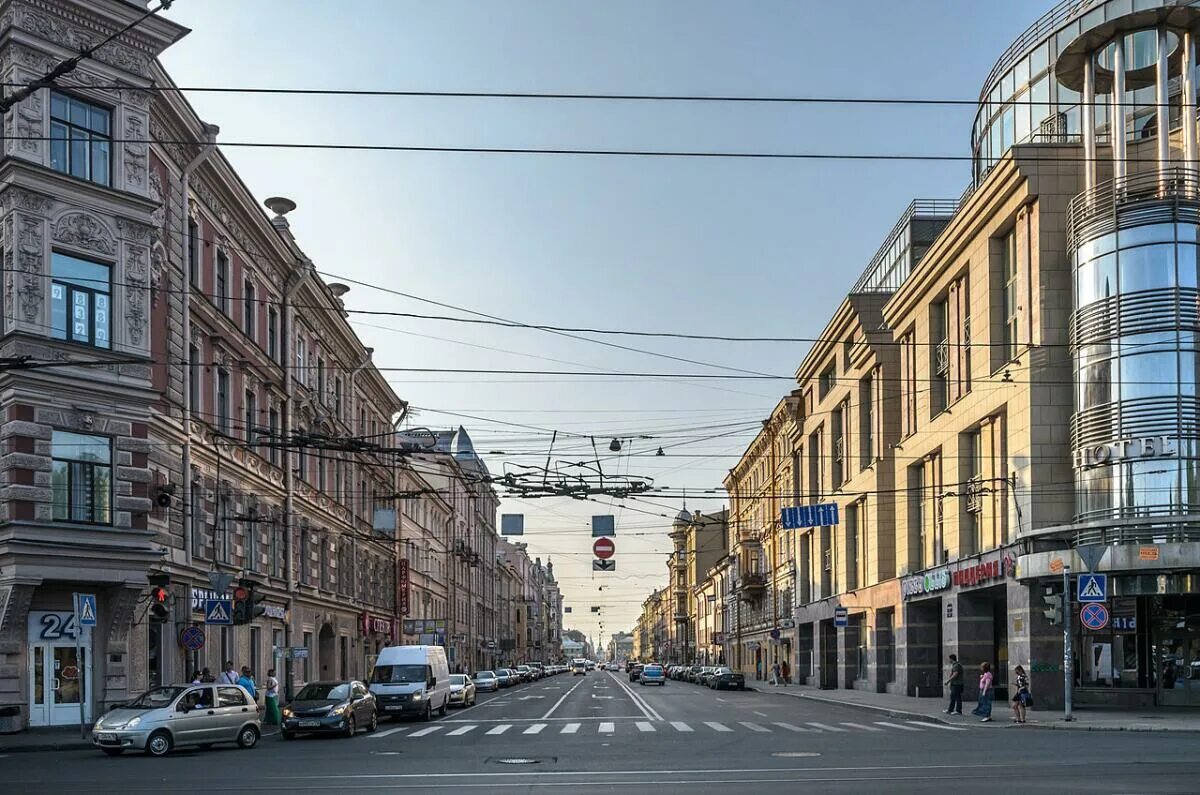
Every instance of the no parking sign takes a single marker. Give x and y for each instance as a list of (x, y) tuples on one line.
[(1094, 616)]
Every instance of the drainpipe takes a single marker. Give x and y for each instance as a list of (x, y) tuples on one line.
[(210, 134)]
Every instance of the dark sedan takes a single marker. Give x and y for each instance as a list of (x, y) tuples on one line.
[(330, 708), (726, 679), (635, 672)]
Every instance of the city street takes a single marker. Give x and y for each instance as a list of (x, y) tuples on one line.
[(591, 734)]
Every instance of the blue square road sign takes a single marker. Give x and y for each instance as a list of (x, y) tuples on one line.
[(1092, 588)]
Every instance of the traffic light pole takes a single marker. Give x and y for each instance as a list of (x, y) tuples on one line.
[(1068, 656)]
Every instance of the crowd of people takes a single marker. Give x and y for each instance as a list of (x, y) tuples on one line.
[(1021, 700), (244, 678)]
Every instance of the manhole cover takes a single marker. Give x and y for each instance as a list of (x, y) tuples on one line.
[(518, 761), (796, 754)]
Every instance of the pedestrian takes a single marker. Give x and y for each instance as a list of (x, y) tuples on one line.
[(775, 674), (955, 682), (1022, 699), (206, 675), (229, 674), (246, 680), (984, 707), (786, 670), (273, 718), (196, 678)]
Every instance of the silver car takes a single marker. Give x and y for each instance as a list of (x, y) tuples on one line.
[(174, 716)]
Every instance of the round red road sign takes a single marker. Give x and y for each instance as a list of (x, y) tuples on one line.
[(604, 548)]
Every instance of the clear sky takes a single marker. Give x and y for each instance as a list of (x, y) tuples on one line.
[(741, 247)]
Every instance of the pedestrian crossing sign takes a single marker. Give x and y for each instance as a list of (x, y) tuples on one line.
[(87, 609), (218, 611), (1092, 588)]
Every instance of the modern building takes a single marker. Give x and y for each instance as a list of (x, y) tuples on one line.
[(1006, 395)]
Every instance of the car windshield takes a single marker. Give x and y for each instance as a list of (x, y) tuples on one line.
[(398, 674), (158, 697), (723, 671), (486, 675), (458, 679), (324, 691)]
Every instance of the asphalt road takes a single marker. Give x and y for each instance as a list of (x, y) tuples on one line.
[(594, 733)]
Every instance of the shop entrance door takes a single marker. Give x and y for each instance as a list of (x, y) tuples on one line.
[(59, 676), (1177, 660)]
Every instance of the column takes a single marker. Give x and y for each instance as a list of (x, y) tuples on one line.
[(1088, 116), (1189, 101), (1117, 124), (1163, 111)]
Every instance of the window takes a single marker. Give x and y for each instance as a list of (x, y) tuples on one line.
[(252, 553), (320, 379), (838, 430), (222, 297), (866, 421), (826, 382), (308, 645), (197, 519), (230, 697), (337, 398), (274, 562), (1011, 309), (80, 304), (301, 358), (81, 477), (193, 252), (223, 418), (195, 374), (321, 468), (249, 316), (305, 556), (939, 386), (273, 334), (918, 546), (251, 406), (323, 553), (908, 383), (80, 139), (273, 428)]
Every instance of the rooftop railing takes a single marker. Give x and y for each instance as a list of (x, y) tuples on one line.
[(875, 278), (1160, 195), (1049, 22)]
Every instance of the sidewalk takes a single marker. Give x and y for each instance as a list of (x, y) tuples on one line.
[(930, 709), (63, 738)]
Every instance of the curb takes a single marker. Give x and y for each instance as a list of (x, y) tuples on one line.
[(874, 708)]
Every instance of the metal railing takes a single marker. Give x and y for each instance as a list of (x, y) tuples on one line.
[(870, 281), (975, 493), (1156, 196), (1165, 533), (941, 356), (1048, 23)]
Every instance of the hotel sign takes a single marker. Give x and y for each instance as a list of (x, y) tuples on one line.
[(1125, 450)]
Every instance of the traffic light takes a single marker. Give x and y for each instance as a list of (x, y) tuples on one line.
[(247, 605), (1054, 608), (160, 604)]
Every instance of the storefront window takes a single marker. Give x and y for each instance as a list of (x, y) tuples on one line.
[(1109, 657)]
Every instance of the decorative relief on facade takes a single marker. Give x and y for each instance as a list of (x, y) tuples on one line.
[(159, 216), (77, 38), (137, 152), (158, 270), (136, 276), (30, 255), (136, 231), (29, 124), (85, 231)]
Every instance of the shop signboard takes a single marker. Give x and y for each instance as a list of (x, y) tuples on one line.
[(371, 625), (402, 587), (927, 583)]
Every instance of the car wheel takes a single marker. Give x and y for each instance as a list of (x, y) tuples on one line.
[(427, 715), (350, 727), (373, 724), (159, 743), (288, 735), (442, 709), (248, 737), (113, 751)]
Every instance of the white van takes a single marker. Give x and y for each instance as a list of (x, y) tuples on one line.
[(411, 680)]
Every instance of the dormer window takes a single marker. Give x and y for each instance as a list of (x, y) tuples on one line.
[(80, 138)]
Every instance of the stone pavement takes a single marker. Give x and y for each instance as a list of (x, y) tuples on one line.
[(1085, 719)]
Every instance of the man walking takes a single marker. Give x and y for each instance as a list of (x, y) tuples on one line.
[(955, 683), (786, 670), (229, 675)]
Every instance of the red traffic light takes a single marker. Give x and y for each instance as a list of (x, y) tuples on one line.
[(240, 593), (159, 595)]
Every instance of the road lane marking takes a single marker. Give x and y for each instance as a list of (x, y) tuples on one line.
[(607, 728), (826, 727), (535, 728), (717, 727), (792, 728), (681, 726), (380, 735), (501, 729), (754, 727), (564, 698), (760, 714), (462, 730), (900, 726), (637, 700), (862, 726), (941, 726), (426, 730), (570, 728), (644, 726), (722, 700)]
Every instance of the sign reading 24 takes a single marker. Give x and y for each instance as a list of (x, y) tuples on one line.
[(56, 626)]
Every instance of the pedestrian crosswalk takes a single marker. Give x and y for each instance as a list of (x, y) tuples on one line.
[(611, 727)]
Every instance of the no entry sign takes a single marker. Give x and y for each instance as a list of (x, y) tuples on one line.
[(604, 548)]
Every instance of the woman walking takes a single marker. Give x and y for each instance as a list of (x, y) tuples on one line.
[(273, 718), (1022, 699), (984, 708)]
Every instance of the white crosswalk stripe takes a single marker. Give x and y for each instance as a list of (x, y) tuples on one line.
[(754, 727), (792, 728), (941, 726), (570, 728), (607, 727), (862, 727), (900, 726), (425, 731), (717, 727), (645, 726), (680, 726), (535, 729), (461, 730), (501, 729), (387, 733), (825, 727)]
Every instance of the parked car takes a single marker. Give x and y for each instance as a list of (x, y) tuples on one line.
[(705, 672), (339, 707), (174, 716), (635, 672), (692, 673), (726, 679), (411, 680), (653, 675), (462, 691), (504, 677), (487, 681), (524, 672)]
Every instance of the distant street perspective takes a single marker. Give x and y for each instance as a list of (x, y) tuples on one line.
[(639, 397)]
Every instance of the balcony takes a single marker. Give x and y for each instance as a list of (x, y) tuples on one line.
[(754, 585), (941, 357), (975, 493), (1158, 196)]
